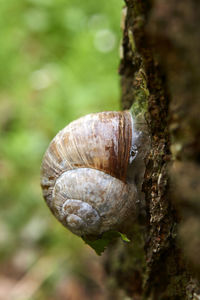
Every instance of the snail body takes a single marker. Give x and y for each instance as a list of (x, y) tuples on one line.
[(87, 175)]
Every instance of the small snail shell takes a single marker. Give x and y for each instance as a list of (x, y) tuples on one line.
[(85, 174)]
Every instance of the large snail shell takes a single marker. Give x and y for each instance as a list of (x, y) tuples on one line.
[(84, 173)]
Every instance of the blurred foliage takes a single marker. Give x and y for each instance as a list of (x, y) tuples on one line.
[(59, 61)]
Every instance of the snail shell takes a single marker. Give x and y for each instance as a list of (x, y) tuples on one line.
[(85, 173)]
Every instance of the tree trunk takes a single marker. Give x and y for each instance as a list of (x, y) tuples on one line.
[(160, 63)]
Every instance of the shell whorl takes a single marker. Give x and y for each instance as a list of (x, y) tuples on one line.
[(99, 200), (84, 165)]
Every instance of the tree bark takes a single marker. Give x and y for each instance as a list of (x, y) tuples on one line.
[(160, 62)]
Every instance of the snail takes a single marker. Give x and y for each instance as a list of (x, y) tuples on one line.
[(91, 172)]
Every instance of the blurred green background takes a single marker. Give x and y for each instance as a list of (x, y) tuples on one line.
[(58, 61)]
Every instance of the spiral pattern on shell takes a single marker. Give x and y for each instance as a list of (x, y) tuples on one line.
[(84, 173)]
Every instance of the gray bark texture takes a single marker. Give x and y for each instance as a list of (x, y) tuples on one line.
[(161, 63)]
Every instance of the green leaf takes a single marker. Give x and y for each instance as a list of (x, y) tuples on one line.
[(124, 237), (99, 245)]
